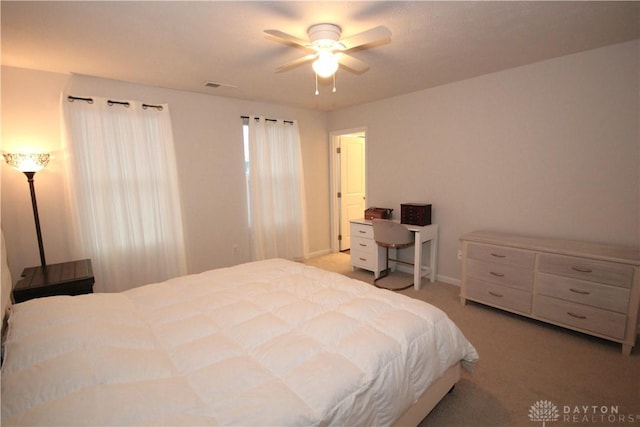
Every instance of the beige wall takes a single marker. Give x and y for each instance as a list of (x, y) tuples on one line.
[(208, 141), (549, 149)]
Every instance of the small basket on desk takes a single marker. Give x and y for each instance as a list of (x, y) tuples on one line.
[(381, 213)]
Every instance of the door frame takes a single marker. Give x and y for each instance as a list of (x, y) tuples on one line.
[(334, 180)]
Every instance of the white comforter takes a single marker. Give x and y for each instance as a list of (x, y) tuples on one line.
[(266, 343)]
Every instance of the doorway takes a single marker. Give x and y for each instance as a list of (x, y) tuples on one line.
[(348, 185)]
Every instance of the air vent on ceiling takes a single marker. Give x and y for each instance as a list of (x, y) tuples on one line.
[(215, 85)]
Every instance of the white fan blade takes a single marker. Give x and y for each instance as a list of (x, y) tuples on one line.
[(287, 38), (353, 64), (377, 34), (295, 62)]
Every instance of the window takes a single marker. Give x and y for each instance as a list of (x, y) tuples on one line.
[(275, 189), (245, 139), (123, 189)]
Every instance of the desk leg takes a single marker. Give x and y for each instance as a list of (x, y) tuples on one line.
[(433, 246), (417, 261)]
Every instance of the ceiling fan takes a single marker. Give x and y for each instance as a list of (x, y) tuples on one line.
[(328, 51)]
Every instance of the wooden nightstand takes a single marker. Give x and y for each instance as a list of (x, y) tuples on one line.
[(67, 278)]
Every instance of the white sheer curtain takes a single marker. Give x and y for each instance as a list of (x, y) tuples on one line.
[(123, 192), (276, 187)]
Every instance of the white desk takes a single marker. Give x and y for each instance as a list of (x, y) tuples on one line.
[(423, 234)]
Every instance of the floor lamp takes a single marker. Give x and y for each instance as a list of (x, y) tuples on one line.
[(29, 164)]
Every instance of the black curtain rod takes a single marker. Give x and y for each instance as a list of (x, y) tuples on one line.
[(157, 107), (90, 101), (77, 98), (111, 103), (124, 103), (269, 120)]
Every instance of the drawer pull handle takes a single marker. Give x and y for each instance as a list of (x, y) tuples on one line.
[(496, 294), (577, 316), (493, 273), (582, 269), (363, 245), (362, 232), (362, 259), (498, 255), (578, 291)]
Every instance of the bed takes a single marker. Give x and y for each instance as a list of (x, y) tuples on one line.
[(271, 342)]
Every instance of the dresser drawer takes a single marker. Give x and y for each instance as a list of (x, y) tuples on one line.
[(499, 296), (364, 253), (363, 260), (587, 269), (600, 321), (362, 245), (361, 230), (612, 298), (504, 274), (501, 255)]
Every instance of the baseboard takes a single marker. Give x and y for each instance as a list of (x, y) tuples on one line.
[(447, 279), (319, 253), (439, 277)]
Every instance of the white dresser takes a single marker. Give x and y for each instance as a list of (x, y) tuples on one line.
[(591, 288)]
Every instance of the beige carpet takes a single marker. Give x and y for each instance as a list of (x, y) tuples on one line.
[(523, 362)]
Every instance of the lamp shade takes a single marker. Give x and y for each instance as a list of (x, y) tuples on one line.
[(27, 162), (326, 64)]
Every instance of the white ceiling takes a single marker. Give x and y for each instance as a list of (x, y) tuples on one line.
[(183, 44)]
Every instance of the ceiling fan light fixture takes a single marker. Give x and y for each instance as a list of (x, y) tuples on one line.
[(324, 32), (326, 65), (328, 51)]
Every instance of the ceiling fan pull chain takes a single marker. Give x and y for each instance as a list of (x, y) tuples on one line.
[(317, 93)]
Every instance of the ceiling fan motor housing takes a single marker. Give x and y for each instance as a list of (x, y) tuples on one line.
[(324, 35)]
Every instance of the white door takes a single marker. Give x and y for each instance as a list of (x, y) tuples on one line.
[(352, 184)]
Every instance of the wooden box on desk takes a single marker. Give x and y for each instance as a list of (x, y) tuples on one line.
[(415, 214), (67, 278), (377, 213)]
